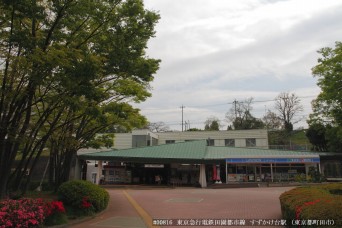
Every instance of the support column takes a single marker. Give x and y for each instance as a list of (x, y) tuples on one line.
[(77, 170), (99, 172), (271, 173), (226, 173), (202, 177)]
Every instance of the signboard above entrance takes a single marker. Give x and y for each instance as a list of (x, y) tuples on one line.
[(272, 160), (154, 166)]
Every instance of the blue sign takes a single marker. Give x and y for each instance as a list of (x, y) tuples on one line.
[(273, 160)]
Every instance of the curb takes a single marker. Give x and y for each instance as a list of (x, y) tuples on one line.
[(79, 220)]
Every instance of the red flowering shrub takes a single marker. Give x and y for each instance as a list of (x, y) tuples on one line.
[(31, 213), (54, 207), (85, 204), (22, 213), (55, 213)]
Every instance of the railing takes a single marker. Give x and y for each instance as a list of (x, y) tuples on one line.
[(295, 147)]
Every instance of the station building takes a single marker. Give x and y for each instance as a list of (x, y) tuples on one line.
[(198, 158)]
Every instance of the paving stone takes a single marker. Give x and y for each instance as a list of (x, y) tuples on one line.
[(124, 222)]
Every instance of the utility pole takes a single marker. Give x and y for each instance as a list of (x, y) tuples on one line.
[(182, 107), (235, 101)]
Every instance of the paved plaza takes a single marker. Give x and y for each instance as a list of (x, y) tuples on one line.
[(134, 208)]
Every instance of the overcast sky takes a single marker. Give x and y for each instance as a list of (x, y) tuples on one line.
[(216, 51)]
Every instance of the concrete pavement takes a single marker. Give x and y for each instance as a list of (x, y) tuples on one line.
[(134, 208)]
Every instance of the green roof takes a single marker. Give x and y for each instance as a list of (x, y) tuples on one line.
[(190, 151), (193, 151)]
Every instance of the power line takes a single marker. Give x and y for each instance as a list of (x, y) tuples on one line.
[(222, 120), (221, 104), (187, 123)]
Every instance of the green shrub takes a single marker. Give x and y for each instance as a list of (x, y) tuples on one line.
[(56, 219), (83, 196), (313, 203)]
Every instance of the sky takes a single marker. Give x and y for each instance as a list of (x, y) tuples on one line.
[(214, 52)]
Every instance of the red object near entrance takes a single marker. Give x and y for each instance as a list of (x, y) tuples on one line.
[(214, 173)]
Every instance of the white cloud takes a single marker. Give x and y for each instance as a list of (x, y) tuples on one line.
[(213, 52)]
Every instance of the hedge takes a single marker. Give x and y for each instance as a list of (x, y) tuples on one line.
[(80, 194), (323, 202)]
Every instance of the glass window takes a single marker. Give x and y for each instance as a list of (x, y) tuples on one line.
[(211, 142), (169, 141), (229, 142), (140, 141), (154, 142), (250, 142)]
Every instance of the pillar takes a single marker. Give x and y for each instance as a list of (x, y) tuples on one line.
[(99, 172), (77, 170), (202, 177), (226, 173), (271, 172)]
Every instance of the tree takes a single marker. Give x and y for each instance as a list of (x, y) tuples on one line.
[(81, 133), (327, 108), (317, 136), (241, 118), (272, 121), (212, 124), (329, 74), (59, 59), (194, 129), (158, 127), (288, 105)]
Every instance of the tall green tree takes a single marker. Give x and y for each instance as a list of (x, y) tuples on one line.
[(241, 117), (328, 71), (58, 57), (316, 133), (327, 108), (82, 132), (212, 124)]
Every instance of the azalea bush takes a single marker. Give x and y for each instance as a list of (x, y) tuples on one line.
[(22, 213), (322, 202), (55, 213), (83, 197), (31, 213)]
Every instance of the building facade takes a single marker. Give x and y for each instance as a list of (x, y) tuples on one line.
[(198, 158), (197, 163), (238, 138)]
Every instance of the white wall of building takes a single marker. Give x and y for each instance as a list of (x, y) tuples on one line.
[(124, 140), (91, 172)]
